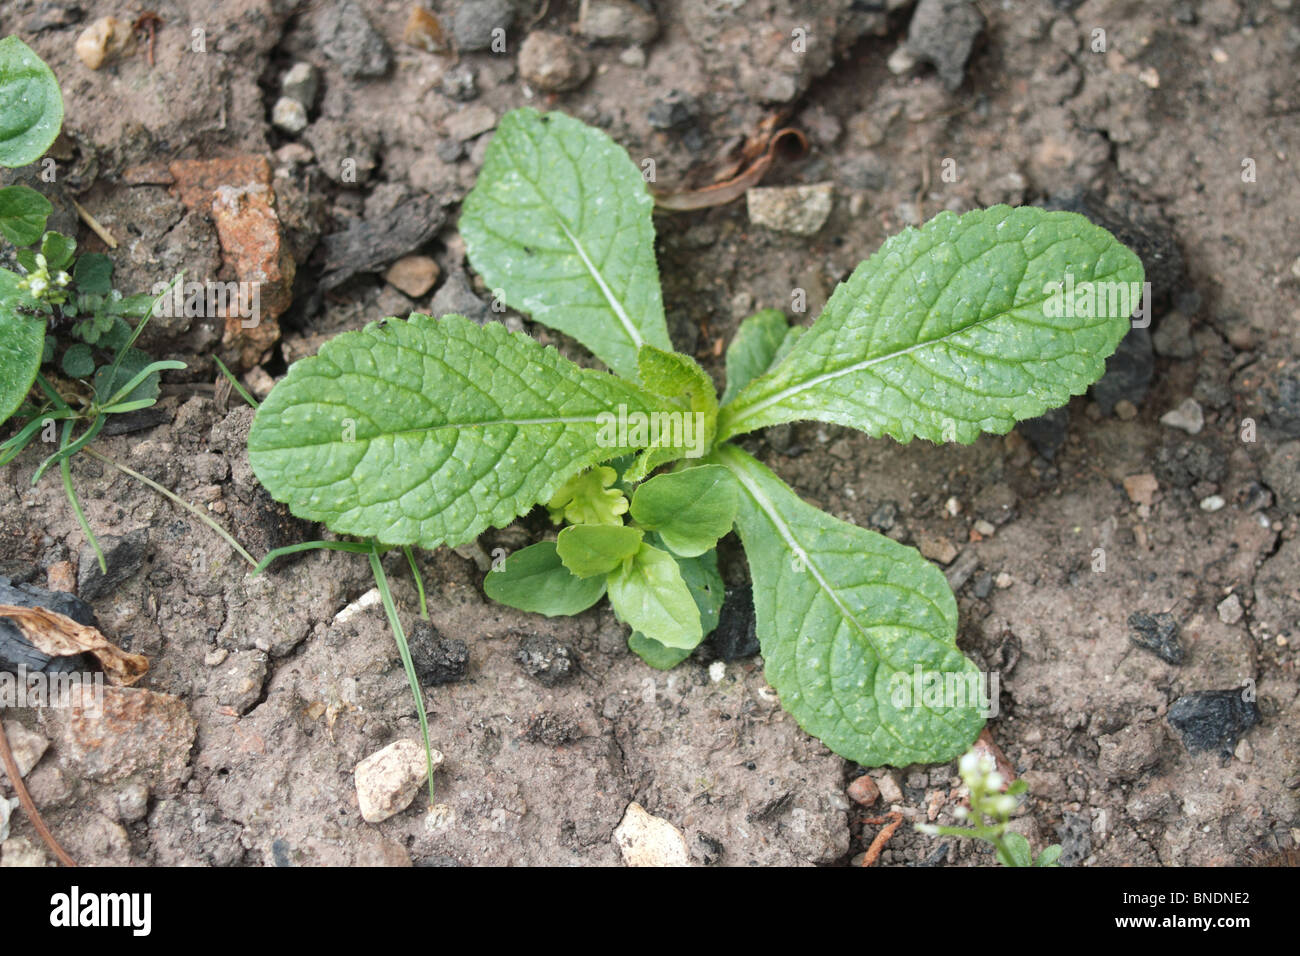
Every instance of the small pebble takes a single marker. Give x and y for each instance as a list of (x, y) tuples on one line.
[(864, 791), (414, 275), (647, 840), (1188, 416), (1212, 503), (105, 40), (1125, 410), (1230, 609), (424, 31), (889, 789), (289, 115), (1003, 581)]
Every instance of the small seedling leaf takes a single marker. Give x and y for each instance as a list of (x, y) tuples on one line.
[(762, 340), (23, 212), (689, 509), (648, 593), (592, 549), (534, 579)]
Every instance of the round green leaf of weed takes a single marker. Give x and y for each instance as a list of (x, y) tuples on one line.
[(1017, 852), (57, 250), (689, 509), (22, 345), (78, 361), (31, 107), (533, 579), (655, 654), (23, 212), (94, 274), (591, 549), (647, 592)]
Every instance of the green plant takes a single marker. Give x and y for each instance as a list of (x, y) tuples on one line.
[(990, 814), (103, 373), (427, 431)]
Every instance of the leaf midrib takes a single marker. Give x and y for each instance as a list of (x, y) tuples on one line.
[(727, 424)]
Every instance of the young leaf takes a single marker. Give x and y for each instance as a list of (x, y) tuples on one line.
[(58, 250), (559, 225), (657, 655), (23, 212), (587, 498), (31, 106), (533, 579), (950, 330), (689, 509), (428, 431), (760, 342), (107, 382), (706, 587), (22, 345), (78, 362), (1017, 850), (684, 433), (648, 594), (591, 549), (93, 274), (840, 612)]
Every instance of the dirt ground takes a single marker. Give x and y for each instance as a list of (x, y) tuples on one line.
[(1181, 135)]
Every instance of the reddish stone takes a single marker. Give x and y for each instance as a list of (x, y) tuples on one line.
[(239, 195)]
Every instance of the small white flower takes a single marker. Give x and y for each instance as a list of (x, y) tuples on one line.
[(969, 763), (994, 781), (960, 813)]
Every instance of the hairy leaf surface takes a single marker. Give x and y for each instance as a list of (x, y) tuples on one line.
[(947, 331), (428, 431), (559, 224), (839, 612)]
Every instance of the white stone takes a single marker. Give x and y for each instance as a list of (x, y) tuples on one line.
[(289, 115), (388, 779), (647, 840), (1187, 416)]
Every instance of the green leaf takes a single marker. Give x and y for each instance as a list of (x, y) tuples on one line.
[(533, 579), (22, 345), (587, 498), (31, 107), (947, 331), (428, 431), (93, 274), (849, 621), (78, 361), (689, 509), (648, 594), (684, 433), (58, 250), (706, 587), (559, 225), (23, 212), (1017, 852), (762, 340), (591, 549), (108, 382), (1049, 856), (655, 654)]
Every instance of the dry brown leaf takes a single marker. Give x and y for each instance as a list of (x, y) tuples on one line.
[(759, 154), (58, 635)]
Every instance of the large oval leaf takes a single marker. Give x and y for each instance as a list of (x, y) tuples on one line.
[(31, 106), (22, 341), (953, 329), (559, 223), (428, 431), (851, 624)]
